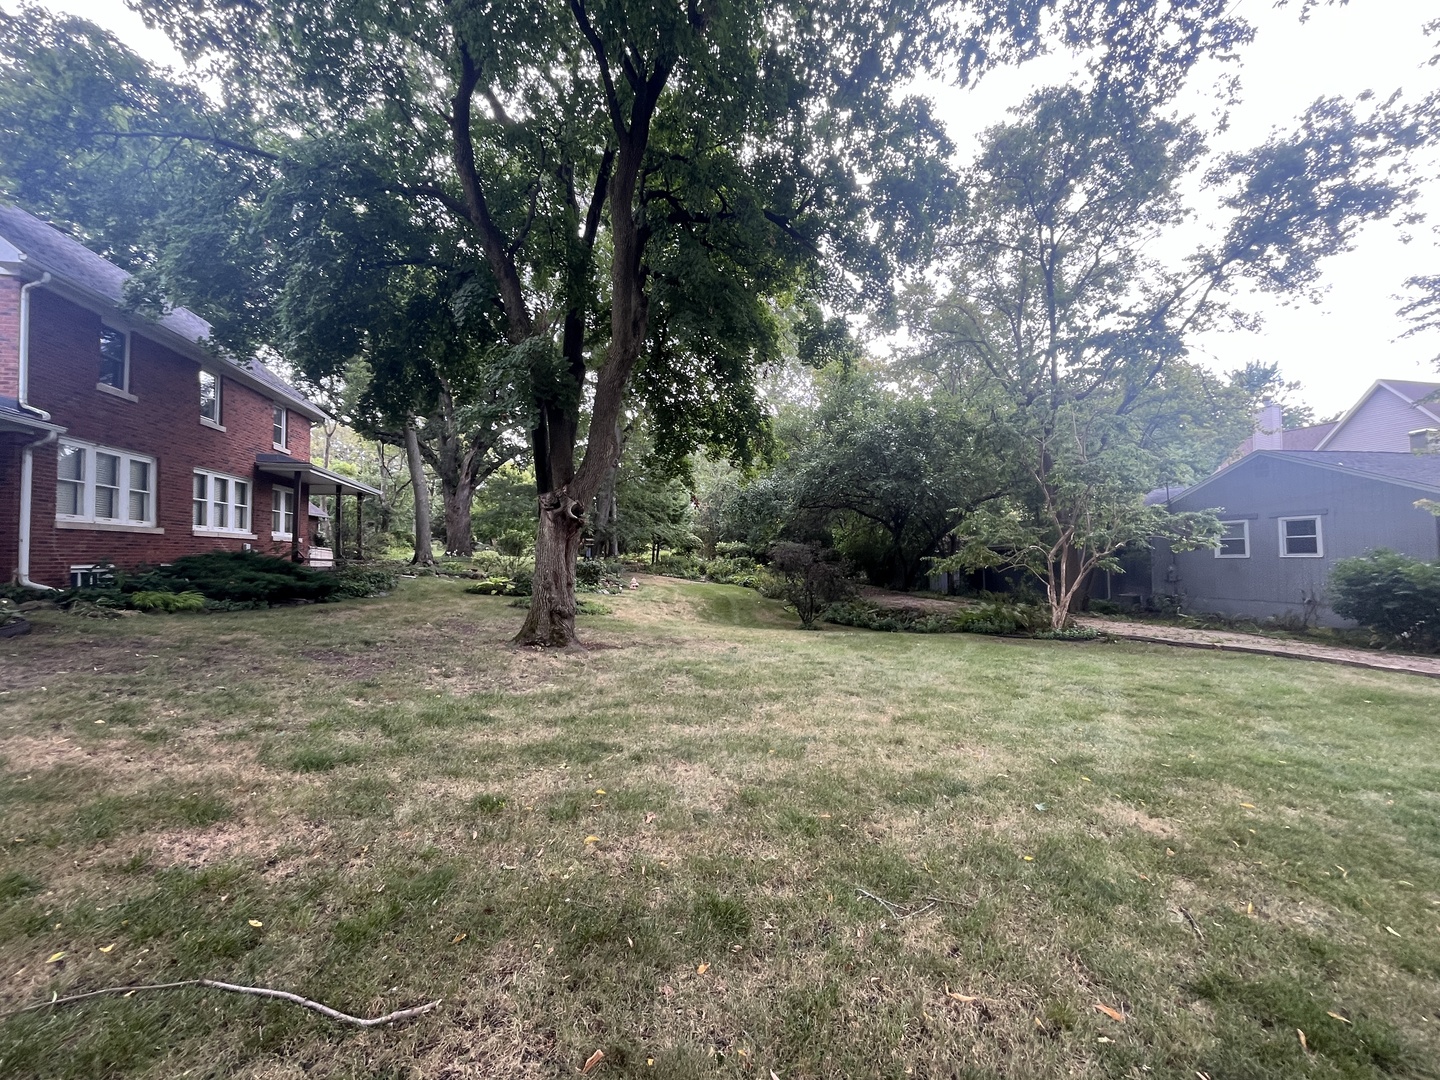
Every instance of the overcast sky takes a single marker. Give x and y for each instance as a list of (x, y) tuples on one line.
[(1335, 348)]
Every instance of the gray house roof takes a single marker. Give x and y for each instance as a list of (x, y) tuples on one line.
[(34, 247), (1420, 471)]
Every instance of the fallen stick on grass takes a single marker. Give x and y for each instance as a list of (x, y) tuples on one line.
[(256, 991)]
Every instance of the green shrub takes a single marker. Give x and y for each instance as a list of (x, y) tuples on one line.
[(21, 594), (238, 576), (366, 580), (1394, 595), (681, 566), (733, 571), (592, 575), (1069, 633), (995, 617), (167, 602), (1105, 607)]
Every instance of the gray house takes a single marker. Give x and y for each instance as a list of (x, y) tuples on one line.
[(1288, 517)]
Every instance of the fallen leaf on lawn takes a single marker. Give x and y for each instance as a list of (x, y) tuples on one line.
[(1029, 858), (667, 990), (1170, 852), (1248, 805), (961, 997), (593, 1060), (1103, 1039), (702, 969), (599, 791), (1113, 1014), (772, 1071), (1337, 1016), (55, 957), (1392, 930), (649, 818), (592, 839), (1087, 779), (458, 938), (256, 923), (1303, 1044), (106, 948)]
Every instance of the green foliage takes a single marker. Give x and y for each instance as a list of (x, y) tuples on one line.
[(242, 576), (1396, 596), (681, 566), (359, 580), (994, 617), (811, 579), (167, 602), (592, 575)]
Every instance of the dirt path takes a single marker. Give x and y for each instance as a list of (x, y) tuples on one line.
[(1253, 643)]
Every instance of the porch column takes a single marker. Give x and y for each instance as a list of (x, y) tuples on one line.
[(359, 526), (295, 524), (338, 540)]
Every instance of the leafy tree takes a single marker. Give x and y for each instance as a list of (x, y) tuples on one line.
[(891, 475), (1061, 325), (635, 179), (505, 508), (812, 579)]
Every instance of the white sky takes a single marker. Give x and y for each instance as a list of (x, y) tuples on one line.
[(1336, 348)]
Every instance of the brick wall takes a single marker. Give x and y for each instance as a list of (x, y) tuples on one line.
[(163, 423), (10, 336)]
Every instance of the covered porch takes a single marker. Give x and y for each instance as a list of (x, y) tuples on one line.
[(308, 481)]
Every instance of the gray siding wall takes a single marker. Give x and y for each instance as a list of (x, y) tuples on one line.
[(1384, 422), (1357, 515)]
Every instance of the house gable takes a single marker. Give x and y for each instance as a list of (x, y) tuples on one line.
[(1381, 421)]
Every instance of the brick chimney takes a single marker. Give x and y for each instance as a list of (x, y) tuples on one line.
[(1425, 441), (1269, 428)]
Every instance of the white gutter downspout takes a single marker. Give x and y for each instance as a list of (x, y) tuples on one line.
[(27, 478), (24, 389), (27, 459)]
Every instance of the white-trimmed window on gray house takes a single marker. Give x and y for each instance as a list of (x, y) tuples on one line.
[(221, 504), (281, 428), (282, 513), (209, 398), (1234, 540), (1300, 538), (114, 361), (98, 485)]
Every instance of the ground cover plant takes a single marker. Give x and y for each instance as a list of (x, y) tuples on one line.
[(742, 849)]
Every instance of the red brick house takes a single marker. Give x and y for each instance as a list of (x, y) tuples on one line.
[(125, 440)]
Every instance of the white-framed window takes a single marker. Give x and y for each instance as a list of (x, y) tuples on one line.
[(102, 485), (281, 428), (221, 503), (114, 359), (1300, 538), (282, 513), (1234, 540), (210, 397)]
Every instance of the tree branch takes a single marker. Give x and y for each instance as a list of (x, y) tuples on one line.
[(256, 991)]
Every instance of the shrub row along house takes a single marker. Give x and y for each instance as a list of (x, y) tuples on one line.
[(126, 441), (1295, 502)]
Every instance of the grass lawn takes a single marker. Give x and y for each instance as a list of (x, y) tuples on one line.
[(658, 849)]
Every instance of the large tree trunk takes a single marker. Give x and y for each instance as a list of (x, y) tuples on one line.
[(551, 619), (459, 498), (424, 556)]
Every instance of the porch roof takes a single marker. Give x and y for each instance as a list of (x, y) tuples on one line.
[(14, 418), (320, 481)]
